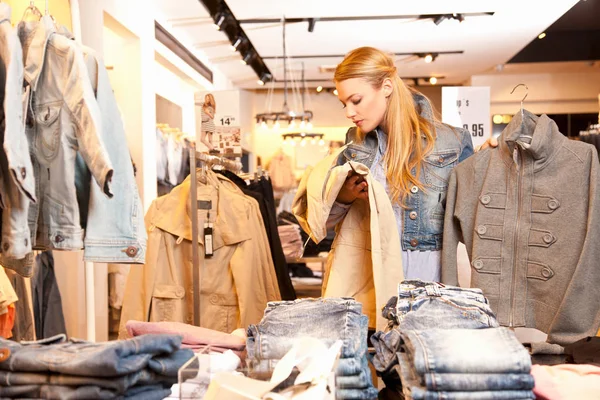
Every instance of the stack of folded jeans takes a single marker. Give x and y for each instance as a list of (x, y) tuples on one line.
[(141, 368), (458, 364), (327, 319), (424, 305)]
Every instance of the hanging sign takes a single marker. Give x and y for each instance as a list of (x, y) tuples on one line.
[(468, 107), (218, 123)]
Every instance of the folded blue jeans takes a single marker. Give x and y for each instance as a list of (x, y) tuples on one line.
[(360, 381), (328, 319), (110, 359), (356, 394), (416, 287), (478, 382), (412, 388), (466, 351)]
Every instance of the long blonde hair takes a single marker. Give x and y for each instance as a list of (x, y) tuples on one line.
[(410, 136), (209, 101)]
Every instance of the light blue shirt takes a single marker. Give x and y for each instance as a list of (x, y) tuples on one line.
[(425, 265)]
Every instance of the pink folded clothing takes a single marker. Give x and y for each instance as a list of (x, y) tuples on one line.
[(193, 336), (566, 382)]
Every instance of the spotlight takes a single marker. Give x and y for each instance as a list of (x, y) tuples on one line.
[(433, 80), (266, 77), (311, 24), (497, 119), (260, 82), (319, 89), (428, 58), (313, 141), (439, 19), (237, 42), (292, 124), (303, 142), (263, 125), (309, 126), (335, 92), (293, 143), (542, 35), (302, 124), (321, 142), (276, 126), (219, 20), (459, 17), (246, 58)]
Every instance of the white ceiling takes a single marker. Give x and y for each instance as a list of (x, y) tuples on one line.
[(486, 41)]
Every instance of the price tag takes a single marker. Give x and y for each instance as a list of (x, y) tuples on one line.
[(468, 107)]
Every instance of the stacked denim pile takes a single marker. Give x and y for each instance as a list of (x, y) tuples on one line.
[(329, 320), (460, 320), (141, 368)]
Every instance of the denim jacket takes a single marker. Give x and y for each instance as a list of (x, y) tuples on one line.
[(423, 221), (63, 119)]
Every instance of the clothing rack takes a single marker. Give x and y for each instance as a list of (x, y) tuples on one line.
[(206, 161)]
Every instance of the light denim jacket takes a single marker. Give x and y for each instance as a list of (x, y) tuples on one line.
[(63, 119), (423, 221)]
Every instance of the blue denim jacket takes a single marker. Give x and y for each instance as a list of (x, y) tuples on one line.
[(423, 221)]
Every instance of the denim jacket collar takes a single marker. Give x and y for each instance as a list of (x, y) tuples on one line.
[(34, 37), (544, 132)]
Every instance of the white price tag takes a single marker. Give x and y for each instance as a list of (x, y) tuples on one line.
[(468, 107)]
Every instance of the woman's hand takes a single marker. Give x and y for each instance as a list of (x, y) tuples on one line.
[(354, 188), (491, 142)]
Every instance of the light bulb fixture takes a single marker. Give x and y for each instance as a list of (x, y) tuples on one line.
[(293, 143), (260, 82), (304, 138), (263, 125), (542, 35), (236, 44), (302, 124), (335, 92), (433, 80), (219, 20), (439, 19), (303, 142), (292, 124), (459, 17), (309, 126), (276, 126), (321, 142), (319, 89), (266, 77), (313, 141), (428, 58), (246, 58)]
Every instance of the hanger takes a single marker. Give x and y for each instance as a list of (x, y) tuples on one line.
[(528, 137), (34, 10)]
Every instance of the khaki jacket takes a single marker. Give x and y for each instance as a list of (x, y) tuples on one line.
[(237, 281), (365, 261)]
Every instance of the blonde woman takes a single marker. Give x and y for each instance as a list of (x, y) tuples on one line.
[(208, 125), (407, 150)]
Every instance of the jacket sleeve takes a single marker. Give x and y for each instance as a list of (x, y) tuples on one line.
[(140, 285), (452, 234), (85, 114), (253, 271), (466, 145), (579, 313)]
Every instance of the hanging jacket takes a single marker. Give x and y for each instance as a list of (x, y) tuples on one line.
[(114, 231), (63, 118), (529, 215), (237, 281), (17, 184), (365, 261)]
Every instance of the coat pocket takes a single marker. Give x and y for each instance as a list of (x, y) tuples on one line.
[(166, 300), (48, 125)]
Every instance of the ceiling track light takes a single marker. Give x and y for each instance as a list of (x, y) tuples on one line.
[(247, 58), (237, 43), (429, 58), (219, 20), (439, 19), (266, 77)]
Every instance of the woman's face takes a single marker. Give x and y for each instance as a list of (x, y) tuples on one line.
[(365, 105)]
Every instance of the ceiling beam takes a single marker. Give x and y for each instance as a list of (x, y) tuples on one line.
[(356, 18), (344, 55)]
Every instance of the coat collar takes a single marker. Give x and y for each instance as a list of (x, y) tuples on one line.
[(230, 212), (35, 36), (546, 138)]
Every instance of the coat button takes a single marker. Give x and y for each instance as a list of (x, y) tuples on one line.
[(553, 204), (188, 319), (546, 273), (23, 172), (485, 199), (414, 242), (131, 251), (478, 264), (180, 292), (4, 354), (214, 299), (59, 239), (548, 238), (353, 155), (441, 159), (412, 215), (414, 189), (481, 229)]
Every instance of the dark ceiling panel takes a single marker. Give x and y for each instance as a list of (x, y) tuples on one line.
[(573, 37)]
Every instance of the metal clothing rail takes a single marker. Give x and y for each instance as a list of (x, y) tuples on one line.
[(205, 161)]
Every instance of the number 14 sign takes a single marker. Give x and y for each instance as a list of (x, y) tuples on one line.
[(468, 107)]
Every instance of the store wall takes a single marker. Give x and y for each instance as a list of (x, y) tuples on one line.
[(177, 91), (558, 93), (59, 9)]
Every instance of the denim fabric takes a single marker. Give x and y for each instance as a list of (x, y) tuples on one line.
[(415, 287), (389, 310), (386, 345), (117, 384), (47, 304), (476, 382), (360, 381), (151, 392), (452, 145), (115, 230), (468, 351), (350, 366), (356, 394), (328, 319), (55, 392), (110, 359), (412, 388), (168, 365)]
